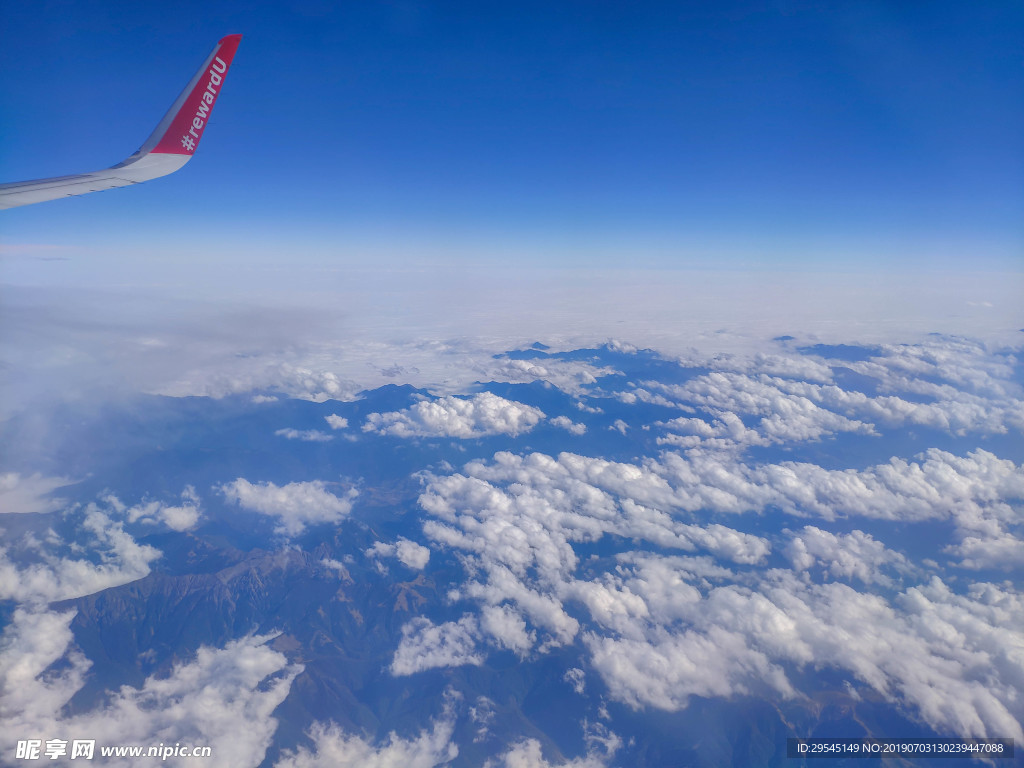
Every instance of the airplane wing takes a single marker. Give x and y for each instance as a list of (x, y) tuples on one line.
[(167, 149)]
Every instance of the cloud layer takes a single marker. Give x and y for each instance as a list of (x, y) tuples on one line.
[(707, 526), (662, 628)]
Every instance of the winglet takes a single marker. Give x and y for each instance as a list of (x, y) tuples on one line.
[(182, 127), (167, 149)]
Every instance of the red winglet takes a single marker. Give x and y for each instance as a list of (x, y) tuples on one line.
[(189, 117)]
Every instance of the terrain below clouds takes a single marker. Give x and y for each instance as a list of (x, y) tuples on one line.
[(536, 554)]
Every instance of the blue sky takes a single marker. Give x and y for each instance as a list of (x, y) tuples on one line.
[(671, 135)]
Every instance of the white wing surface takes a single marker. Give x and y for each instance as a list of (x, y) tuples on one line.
[(167, 149)]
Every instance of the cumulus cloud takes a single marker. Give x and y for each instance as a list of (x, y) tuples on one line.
[(856, 555), (477, 416), (660, 629), (33, 641), (411, 554), (786, 410), (34, 572), (29, 495), (523, 509), (949, 385), (572, 427), (338, 567), (943, 654), (897, 489), (787, 366), (738, 641), (528, 754), (182, 517), (944, 368), (434, 746), (517, 518), (333, 748), (980, 493), (576, 678), (995, 549), (306, 435), (208, 700), (300, 381), (295, 505), (482, 715), (507, 628), (571, 376), (335, 421), (425, 645)]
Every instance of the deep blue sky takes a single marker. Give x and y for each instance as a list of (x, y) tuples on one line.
[(665, 133)]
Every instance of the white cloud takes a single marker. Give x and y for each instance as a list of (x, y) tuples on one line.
[(183, 517), (507, 627), (297, 380), (787, 411), (897, 489), (54, 577), (411, 554), (662, 629), (571, 376), (306, 435), (572, 427), (29, 495), (425, 645), (948, 384), (944, 368), (979, 492), (482, 715), (208, 700), (333, 748), (335, 421), (338, 567), (790, 366), (550, 502), (997, 549), (527, 754), (855, 555), (33, 641), (295, 505), (793, 420), (434, 746), (943, 654), (480, 415), (516, 519), (600, 740), (576, 678), (725, 542)]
